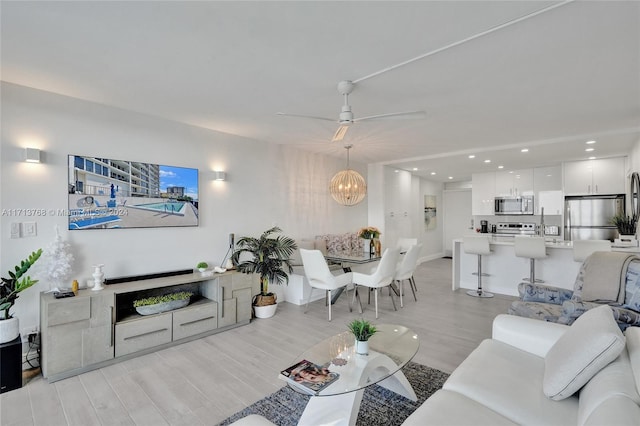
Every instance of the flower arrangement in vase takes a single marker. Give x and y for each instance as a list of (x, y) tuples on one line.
[(369, 234)]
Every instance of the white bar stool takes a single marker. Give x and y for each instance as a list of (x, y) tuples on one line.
[(478, 245), (532, 248)]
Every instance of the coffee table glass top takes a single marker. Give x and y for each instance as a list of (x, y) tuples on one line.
[(389, 350)]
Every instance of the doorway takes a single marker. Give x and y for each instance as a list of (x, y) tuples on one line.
[(457, 217)]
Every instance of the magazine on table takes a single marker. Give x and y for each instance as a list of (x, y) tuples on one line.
[(309, 377)]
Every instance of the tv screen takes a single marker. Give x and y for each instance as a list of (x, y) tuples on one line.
[(116, 194)]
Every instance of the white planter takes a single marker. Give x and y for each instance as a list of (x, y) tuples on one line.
[(9, 329), (362, 347), (265, 311)]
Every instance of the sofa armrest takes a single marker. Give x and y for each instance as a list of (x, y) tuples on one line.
[(530, 335)]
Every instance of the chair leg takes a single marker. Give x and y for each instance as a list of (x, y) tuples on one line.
[(400, 290), (413, 290), (393, 301), (356, 294), (413, 285), (346, 290), (375, 297), (329, 302)]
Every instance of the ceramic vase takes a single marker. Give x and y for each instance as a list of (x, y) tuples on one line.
[(362, 347), (98, 277), (9, 329)]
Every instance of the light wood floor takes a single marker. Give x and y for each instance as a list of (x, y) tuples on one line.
[(204, 381)]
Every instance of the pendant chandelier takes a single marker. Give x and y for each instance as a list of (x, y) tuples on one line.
[(348, 187)]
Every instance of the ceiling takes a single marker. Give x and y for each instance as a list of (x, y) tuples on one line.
[(492, 76)]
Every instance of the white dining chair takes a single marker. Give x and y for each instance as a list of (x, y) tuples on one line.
[(319, 276), (405, 270), (382, 277)]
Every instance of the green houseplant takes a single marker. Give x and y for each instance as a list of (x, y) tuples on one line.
[(9, 291), (269, 256), (202, 266), (362, 330), (626, 224)]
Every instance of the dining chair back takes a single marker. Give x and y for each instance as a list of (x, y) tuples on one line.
[(319, 276), (405, 269), (381, 277)]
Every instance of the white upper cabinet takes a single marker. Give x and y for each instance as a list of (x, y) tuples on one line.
[(593, 177), (547, 178), (514, 183), (483, 190)]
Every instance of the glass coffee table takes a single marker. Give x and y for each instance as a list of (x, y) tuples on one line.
[(390, 349)]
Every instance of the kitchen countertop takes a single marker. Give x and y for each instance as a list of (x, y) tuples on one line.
[(552, 242)]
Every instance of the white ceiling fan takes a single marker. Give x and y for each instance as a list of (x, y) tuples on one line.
[(346, 118)]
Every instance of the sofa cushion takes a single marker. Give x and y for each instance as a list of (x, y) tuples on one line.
[(632, 287), (633, 349), (592, 342), (508, 381), (445, 408), (614, 380)]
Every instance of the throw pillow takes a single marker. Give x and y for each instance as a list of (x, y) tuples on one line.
[(544, 294), (591, 342), (632, 287)]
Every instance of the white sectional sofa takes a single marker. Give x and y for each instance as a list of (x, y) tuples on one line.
[(512, 377)]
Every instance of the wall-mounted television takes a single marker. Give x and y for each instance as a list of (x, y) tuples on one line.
[(116, 194)]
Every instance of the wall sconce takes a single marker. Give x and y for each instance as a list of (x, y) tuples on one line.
[(218, 175), (31, 155)]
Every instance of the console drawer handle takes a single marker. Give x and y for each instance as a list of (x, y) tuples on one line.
[(195, 321), (146, 334)]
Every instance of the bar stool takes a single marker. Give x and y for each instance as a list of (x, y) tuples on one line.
[(478, 245), (532, 248)]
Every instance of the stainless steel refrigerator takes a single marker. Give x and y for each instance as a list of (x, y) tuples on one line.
[(589, 217)]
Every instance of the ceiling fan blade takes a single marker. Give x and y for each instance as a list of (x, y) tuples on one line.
[(395, 115), (306, 116), (339, 135)]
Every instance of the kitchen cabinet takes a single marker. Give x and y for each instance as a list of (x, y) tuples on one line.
[(483, 191), (592, 177), (547, 179), (514, 183), (552, 201)]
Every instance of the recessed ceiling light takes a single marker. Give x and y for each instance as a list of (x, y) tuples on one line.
[(433, 173), (524, 150), (501, 167), (415, 169), (397, 171), (472, 156), (510, 171), (487, 161), (590, 142), (450, 177), (592, 158), (590, 149)]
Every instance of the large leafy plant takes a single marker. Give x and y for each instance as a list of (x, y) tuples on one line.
[(626, 225), (269, 256), (17, 282)]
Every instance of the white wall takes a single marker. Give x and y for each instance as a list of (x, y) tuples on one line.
[(266, 185)]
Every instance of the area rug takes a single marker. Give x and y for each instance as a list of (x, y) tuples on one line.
[(379, 405)]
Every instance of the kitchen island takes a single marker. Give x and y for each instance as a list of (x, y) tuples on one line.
[(506, 270)]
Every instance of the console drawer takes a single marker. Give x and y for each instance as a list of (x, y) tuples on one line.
[(142, 334), (194, 320)]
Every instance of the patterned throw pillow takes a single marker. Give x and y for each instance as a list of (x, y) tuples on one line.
[(544, 294), (632, 287)]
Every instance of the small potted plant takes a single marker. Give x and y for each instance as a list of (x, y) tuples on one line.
[(167, 302), (270, 257), (626, 226), (202, 266), (9, 290), (362, 330)]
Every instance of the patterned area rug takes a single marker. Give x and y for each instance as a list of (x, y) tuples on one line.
[(379, 405)]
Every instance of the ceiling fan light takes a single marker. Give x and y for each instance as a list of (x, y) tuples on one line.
[(339, 135)]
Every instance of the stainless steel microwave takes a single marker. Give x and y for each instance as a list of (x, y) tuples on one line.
[(513, 205)]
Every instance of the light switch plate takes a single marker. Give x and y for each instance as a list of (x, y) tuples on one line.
[(29, 229), (15, 230)]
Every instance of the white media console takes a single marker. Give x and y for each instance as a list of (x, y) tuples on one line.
[(98, 328)]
